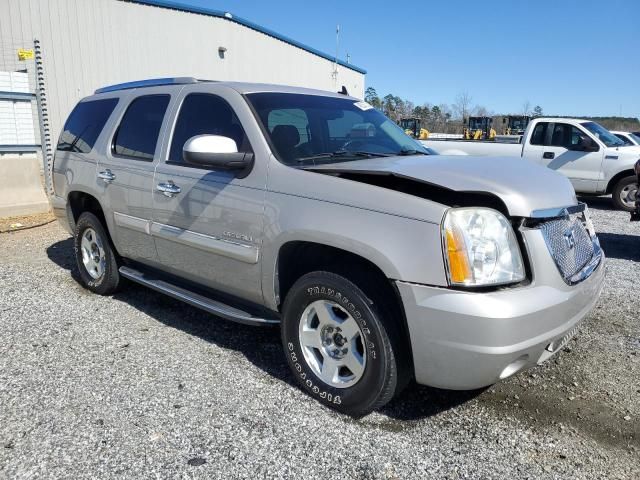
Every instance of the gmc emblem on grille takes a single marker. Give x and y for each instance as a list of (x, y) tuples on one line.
[(570, 239)]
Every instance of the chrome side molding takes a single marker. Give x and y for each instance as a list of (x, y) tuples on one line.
[(207, 304), (208, 243)]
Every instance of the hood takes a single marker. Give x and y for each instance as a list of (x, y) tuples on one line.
[(625, 149), (521, 185)]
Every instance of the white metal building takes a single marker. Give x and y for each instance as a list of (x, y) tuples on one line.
[(86, 44)]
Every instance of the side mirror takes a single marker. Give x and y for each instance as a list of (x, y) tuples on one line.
[(216, 152), (586, 144)]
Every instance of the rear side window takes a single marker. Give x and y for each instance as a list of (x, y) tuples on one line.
[(537, 138), (206, 114), (84, 125), (139, 129)]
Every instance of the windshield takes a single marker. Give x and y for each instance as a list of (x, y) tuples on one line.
[(635, 137), (604, 135), (318, 129)]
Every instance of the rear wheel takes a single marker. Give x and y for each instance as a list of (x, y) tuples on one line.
[(337, 344), (96, 258), (624, 193)]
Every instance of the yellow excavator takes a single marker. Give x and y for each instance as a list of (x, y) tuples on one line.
[(411, 127)]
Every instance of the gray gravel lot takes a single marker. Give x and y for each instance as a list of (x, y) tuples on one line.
[(141, 386)]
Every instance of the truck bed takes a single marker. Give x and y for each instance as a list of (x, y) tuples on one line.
[(474, 147)]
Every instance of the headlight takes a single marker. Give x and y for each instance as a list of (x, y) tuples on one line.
[(480, 248)]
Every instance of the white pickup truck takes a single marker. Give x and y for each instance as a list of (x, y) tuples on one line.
[(595, 160)]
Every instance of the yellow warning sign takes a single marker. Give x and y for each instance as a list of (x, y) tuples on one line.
[(25, 54)]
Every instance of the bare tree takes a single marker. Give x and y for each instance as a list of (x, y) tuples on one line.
[(462, 105), (526, 108), (482, 111)]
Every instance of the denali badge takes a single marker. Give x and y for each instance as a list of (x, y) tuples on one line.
[(238, 236), (570, 239)]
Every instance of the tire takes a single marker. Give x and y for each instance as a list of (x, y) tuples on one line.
[(96, 258), (623, 193), (363, 370)]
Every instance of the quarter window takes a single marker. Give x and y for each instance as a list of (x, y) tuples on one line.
[(84, 125), (206, 114), (137, 135)]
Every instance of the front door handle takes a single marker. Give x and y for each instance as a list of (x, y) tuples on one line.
[(168, 189), (549, 155), (107, 176)]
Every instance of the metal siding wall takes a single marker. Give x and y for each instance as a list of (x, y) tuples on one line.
[(91, 43)]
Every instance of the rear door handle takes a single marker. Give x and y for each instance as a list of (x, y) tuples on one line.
[(549, 155), (107, 176), (168, 189)]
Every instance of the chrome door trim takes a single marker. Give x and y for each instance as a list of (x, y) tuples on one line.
[(132, 223), (207, 243)]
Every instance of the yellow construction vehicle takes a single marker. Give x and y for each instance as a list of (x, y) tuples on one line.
[(479, 128), (411, 127), (515, 124)]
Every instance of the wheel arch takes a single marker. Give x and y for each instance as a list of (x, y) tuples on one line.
[(298, 257), (79, 201), (617, 177)]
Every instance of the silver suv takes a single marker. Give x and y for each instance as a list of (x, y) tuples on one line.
[(381, 262)]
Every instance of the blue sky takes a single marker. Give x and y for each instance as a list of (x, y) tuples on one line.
[(572, 57)]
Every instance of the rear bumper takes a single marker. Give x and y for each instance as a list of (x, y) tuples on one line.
[(59, 208), (463, 340)]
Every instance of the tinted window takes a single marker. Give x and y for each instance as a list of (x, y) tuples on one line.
[(201, 114), (537, 138), (565, 135), (84, 125), (626, 140), (138, 132)]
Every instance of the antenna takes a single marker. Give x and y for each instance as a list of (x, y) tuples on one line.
[(334, 74)]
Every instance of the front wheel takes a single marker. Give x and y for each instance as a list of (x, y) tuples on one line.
[(337, 345), (625, 192)]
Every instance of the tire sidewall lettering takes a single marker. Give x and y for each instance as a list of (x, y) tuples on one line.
[(317, 388)]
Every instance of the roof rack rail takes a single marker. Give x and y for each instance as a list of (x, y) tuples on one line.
[(153, 82)]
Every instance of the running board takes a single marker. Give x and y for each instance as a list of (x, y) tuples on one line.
[(207, 304)]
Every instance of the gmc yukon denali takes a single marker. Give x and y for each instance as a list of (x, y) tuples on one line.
[(273, 205)]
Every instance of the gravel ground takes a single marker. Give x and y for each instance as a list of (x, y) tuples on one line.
[(140, 386)]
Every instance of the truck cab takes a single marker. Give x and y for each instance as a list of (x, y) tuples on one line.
[(594, 159)]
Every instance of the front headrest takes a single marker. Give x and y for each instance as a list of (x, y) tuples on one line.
[(285, 136)]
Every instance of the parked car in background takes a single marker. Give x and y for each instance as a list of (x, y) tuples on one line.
[(595, 160), (629, 138), (269, 205)]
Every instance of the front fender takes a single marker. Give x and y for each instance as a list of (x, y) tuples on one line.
[(402, 248)]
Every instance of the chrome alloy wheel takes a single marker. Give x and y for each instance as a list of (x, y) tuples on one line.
[(93, 256), (332, 344), (629, 194)]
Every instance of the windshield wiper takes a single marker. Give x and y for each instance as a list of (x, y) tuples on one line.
[(343, 153), (411, 151)]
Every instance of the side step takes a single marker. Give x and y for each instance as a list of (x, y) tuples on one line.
[(207, 304)]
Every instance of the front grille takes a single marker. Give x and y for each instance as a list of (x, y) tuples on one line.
[(569, 243)]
